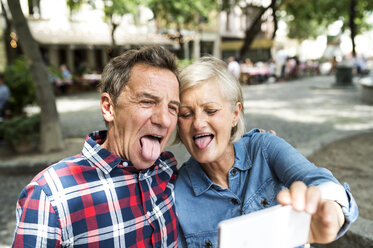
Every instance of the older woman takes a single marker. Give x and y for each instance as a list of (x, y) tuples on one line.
[(231, 173)]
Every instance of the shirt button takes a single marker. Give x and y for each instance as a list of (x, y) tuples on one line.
[(264, 202), (208, 244), (234, 171), (234, 201)]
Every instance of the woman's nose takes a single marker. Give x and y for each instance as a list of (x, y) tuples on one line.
[(199, 121)]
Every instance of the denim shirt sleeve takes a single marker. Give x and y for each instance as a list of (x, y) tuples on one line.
[(351, 212), (290, 166)]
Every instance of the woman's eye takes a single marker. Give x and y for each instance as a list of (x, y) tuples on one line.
[(147, 102), (211, 111), (185, 115)]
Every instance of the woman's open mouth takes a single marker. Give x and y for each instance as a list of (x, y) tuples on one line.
[(203, 140)]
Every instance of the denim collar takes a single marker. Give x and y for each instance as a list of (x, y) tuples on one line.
[(199, 179)]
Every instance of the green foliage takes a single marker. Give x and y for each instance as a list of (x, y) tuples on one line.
[(184, 62), (74, 4), (188, 13), (120, 8), (311, 18), (22, 92), (21, 129)]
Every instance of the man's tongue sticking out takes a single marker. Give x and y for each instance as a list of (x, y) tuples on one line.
[(150, 148), (202, 142)]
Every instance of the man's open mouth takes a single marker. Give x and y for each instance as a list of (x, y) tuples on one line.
[(151, 146), (152, 137)]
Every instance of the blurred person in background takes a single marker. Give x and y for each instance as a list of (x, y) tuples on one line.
[(234, 67), (4, 97)]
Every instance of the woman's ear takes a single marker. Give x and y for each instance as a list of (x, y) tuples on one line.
[(236, 114), (107, 107)]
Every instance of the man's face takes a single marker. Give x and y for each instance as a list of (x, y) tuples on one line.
[(144, 116)]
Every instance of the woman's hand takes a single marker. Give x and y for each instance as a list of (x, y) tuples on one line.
[(327, 216)]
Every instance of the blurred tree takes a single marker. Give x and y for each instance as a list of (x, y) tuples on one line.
[(73, 5), (187, 14), (308, 19), (50, 129), (113, 13), (259, 10)]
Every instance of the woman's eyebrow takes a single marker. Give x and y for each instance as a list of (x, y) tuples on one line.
[(185, 106), (203, 104), (207, 103)]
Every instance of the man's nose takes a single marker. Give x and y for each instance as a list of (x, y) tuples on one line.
[(161, 116)]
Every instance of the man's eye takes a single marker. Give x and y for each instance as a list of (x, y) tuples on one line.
[(174, 109)]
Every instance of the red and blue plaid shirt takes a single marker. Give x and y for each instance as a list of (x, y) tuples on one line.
[(97, 199)]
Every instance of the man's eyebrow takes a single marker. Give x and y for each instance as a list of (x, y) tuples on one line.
[(147, 95), (176, 103)]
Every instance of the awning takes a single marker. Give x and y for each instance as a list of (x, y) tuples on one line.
[(237, 44), (85, 33)]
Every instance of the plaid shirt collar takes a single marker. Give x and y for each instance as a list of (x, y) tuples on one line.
[(102, 158), (99, 156)]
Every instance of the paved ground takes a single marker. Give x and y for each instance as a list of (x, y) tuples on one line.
[(308, 113)]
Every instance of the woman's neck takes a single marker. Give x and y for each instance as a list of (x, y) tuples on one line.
[(218, 170)]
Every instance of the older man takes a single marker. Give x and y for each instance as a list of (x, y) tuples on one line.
[(119, 191)]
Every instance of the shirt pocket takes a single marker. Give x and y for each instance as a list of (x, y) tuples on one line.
[(263, 197), (203, 240)]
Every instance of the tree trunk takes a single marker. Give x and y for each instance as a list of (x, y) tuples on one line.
[(252, 32), (275, 24), (180, 38), (114, 47), (11, 53), (353, 4), (50, 130)]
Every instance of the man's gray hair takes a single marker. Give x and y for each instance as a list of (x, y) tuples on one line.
[(117, 72), (209, 68)]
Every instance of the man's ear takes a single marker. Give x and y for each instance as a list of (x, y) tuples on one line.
[(107, 107)]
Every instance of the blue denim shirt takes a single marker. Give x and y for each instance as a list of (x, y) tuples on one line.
[(264, 164)]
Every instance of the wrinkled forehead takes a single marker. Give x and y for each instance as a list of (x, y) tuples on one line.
[(154, 81)]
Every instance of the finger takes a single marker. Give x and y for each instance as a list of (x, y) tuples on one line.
[(262, 130), (283, 197), (324, 223), (332, 213), (298, 195), (272, 132), (313, 197)]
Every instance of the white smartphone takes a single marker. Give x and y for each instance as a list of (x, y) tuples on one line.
[(278, 226)]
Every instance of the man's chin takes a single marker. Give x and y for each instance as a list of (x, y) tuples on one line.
[(143, 165)]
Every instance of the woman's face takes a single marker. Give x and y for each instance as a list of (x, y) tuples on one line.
[(205, 122)]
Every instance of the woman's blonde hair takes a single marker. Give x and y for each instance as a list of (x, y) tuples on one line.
[(209, 68)]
